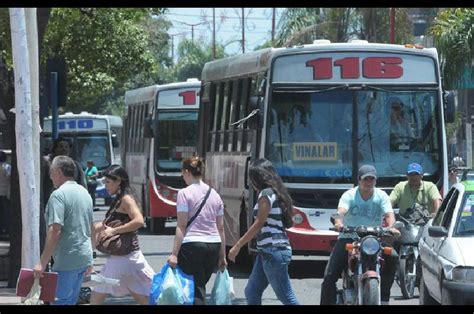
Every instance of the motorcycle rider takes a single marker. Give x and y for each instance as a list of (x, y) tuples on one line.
[(406, 193), (362, 205)]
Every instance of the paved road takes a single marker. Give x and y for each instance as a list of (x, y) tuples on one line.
[(305, 272)]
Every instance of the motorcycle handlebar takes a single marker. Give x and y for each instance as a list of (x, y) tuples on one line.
[(364, 230)]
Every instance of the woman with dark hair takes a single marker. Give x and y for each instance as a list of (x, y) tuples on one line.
[(272, 215), (133, 271), (199, 243)]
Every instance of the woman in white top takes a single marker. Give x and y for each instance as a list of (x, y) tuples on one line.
[(200, 247)]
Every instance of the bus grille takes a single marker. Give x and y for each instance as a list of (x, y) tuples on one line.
[(316, 199)]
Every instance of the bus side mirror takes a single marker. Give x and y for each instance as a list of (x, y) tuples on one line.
[(147, 128), (257, 120), (449, 107), (115, 143)]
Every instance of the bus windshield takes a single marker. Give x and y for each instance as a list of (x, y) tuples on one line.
[(90, 146), (177, 139), (95, 147), (311, 134)]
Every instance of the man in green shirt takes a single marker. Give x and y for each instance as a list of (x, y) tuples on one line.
[(70, 232), (415, 190)]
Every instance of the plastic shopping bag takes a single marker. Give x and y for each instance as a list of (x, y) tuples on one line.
[(223, 290), (33, 298), (172, 287)]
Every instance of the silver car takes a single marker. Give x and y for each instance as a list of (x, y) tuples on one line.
[(447, 250)]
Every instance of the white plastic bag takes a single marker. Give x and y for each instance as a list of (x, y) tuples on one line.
[(172, 292), (101, 280), (33, 297), (223, 290)]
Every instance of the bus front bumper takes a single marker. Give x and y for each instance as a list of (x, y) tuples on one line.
[(311, 242)]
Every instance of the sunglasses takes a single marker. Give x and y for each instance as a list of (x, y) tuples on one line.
[(368, 179)]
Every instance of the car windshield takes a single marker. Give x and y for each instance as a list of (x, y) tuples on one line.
[(465, 220)]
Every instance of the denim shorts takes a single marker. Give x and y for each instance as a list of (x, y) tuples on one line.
[(69, 286)]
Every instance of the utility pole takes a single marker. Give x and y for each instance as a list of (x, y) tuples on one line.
[(392, 25), (213, 33), (192, 28), (172, 44), (243, 31), (273, 27)]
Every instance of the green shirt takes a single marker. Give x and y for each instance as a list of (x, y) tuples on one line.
[(70, 206), (405, 197)]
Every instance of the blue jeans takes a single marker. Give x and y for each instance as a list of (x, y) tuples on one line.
[(69, 286), (271, 266)]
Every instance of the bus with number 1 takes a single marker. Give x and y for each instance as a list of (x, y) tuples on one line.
[(93, 137), (160, 131), (318, 112)]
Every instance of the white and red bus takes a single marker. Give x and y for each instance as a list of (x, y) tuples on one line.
[(160, 130), (318, 112)]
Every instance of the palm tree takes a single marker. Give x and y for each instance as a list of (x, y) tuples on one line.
[(295, 26), (452, 32), (303, 25)]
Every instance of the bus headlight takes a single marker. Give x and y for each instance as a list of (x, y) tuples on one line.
[(297, 219), (370, 246)]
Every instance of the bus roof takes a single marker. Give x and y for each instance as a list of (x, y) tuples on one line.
[(146, 94), (140, 95), (113, 121), (260, 60)]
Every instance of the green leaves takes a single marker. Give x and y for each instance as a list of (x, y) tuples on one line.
[(104, 49), (303, 25), (453, 36)]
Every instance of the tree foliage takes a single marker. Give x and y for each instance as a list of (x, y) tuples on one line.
[(104, 49), (191, 59), (452, 32), (303, 25)]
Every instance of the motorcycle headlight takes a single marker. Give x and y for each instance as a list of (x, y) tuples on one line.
[(463, 274), (370, 245)]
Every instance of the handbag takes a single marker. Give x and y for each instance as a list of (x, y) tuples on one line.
[(118, 244)]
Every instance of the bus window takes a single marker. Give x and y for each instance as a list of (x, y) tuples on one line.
[(178, 140), (95, 148)]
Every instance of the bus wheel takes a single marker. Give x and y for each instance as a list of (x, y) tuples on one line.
[(157, 225)]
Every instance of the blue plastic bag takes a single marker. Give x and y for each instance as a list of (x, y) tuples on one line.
[(172, 287), (223, 289)]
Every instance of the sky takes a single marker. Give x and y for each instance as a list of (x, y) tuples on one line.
[(228, 26)]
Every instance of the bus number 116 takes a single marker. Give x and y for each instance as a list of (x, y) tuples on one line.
[(372, 67)]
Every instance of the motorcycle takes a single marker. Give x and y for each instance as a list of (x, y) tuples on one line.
[(361, 279), (409, 271)]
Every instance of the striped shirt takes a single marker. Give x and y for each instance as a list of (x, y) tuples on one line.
[(272, 233)]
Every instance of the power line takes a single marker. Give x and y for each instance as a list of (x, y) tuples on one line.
[(226, 17), (218, 31)]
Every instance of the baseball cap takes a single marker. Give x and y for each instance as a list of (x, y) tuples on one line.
[(367, 171), (414, 167)]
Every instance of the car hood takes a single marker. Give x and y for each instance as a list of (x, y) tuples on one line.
[(459, 251)]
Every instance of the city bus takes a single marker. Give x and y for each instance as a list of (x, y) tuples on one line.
[(93, 136), (160, 131), (318, 112)]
